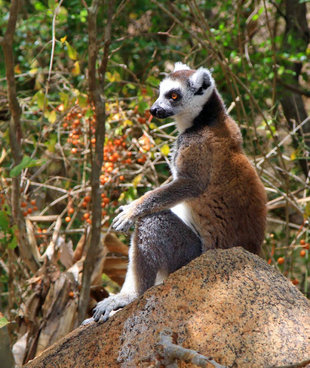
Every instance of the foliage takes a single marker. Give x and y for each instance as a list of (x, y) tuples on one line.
[(255, 62)]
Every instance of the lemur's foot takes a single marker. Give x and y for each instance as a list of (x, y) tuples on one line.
[(104, 308), (124, 220)]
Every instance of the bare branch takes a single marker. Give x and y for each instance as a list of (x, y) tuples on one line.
[(15, 133)]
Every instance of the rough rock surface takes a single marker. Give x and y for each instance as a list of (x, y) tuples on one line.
[(227, 304)]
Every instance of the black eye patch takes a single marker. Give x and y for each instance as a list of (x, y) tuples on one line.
[(174, 95)]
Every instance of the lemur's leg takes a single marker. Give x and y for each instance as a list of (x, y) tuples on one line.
[(161, 244)]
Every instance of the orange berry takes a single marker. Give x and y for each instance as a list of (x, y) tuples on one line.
[(33, 202), (302, 242), (141, 120), (306, 246), (68, 219), (302, 253), (70, 210), (93, 140), (23, 204), (295, 282), (121, 177), (281, 260), (74, 150), (86, 216), (106, 200), (71, 294), (35, 208), (25, 213), (103, 204), (103, 213), (88, 221), (87, 198), (29, 211), (102, 195), (84, 204)]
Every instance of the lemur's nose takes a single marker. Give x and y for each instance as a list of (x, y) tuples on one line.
[(153, 110), (158, 112)]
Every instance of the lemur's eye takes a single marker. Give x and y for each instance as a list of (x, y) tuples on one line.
[(174, 96)]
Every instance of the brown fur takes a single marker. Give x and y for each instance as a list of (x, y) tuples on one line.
[(217, 182), (231, 211), (219, 188)]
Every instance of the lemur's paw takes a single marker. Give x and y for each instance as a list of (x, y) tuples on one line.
[(104, 309), (124, 220)]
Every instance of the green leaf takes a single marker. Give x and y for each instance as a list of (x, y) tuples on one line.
[(165, 150), (13, 243), (40, 98), (50, 144), (52, 4), (142, 106), (52, 117), (39, 6), (26, 162), (3, 322), (72, 53), (83, 100), (64, 97), (4, 221)]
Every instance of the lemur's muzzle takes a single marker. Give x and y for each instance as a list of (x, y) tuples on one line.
[(159, 112)]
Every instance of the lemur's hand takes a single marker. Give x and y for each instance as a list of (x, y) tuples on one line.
[(104, 309), (124, 220)]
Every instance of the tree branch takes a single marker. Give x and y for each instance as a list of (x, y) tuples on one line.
[(294, 88), (15, 133), (97, 159)]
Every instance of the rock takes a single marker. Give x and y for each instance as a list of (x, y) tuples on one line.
[(227, 304)]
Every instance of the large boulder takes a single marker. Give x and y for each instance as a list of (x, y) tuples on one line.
[(227, 304)]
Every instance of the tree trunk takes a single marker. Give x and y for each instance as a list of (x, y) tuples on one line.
[(296, 39)]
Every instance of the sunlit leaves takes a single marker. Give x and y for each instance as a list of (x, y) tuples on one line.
[(72, 53), (3, 321), (165, 150), (76, 69)]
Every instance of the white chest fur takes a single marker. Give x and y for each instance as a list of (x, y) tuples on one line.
[(183, 211)]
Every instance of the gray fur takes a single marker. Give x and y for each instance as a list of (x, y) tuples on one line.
[(161, 243)]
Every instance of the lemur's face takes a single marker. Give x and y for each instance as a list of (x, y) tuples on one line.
[(183, 93)]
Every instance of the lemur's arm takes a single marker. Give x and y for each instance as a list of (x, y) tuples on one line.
[(189, 183)]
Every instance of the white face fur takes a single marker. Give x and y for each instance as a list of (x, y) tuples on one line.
[(183, 98)]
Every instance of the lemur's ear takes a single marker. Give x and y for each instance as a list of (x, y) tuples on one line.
[(201, 80), (180, 66)]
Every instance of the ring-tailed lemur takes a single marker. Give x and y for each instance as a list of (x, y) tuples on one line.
[(216, 199)]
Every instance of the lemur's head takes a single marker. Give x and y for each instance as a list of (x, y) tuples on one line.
[(183, 94)]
